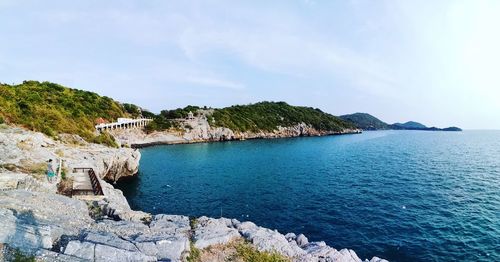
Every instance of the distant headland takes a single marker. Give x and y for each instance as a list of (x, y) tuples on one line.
[(366, 121)]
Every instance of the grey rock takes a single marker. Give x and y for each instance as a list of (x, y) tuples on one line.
[(82, 250), (268, 240), (107, 253), (290, 236), (377, 259), (169, 249), (319, 251), (34, 220), (211, 231), (302, 240), (110, 239), (50, 256)]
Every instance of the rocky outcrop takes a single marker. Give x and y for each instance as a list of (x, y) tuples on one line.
[(201, 131), (35, 220), (53, 226), (28, 152), (222, 231)]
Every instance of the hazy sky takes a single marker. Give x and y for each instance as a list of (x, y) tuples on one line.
[(436, 62)]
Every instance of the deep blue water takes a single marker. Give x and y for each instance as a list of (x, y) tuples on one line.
[(400, 195)]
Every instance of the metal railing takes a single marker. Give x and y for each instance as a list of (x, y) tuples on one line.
[(94, 181)]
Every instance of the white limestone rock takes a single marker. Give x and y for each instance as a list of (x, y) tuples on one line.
[(302, 240), (82, 250), (108, 253), (211, 231), (268, 240)]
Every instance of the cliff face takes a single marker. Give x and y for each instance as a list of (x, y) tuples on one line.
[(27, 152), (201, 131)]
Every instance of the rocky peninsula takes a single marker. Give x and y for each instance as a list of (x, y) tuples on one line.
[(199, 130), (39, 222)]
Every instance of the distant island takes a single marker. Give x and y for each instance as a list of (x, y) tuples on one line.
[(366, 121)]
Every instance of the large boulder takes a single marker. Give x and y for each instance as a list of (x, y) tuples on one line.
[(269, 240), (211, 231), (36, 220)]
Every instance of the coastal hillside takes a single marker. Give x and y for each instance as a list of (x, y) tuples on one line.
[(408, 125), (53, 109), (268, 116), (240, 122), (365, 121)]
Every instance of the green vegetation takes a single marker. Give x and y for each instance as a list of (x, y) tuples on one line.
[(268, 116), (104, 138), (52, 109), (20, 257), (365, 121), (133, 110), (193, 222), (194, 254), (248, 253), (180, 112), (159, 123)]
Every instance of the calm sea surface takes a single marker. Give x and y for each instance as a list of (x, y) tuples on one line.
[(400, 195)]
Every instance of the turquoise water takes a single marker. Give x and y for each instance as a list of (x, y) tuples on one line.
[(400, 195)]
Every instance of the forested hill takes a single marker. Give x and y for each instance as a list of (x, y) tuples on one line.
[(52, 109), (268, 116), (368, 122), (365, 121)]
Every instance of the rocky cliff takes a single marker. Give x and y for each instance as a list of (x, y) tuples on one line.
[(38, 222), (23, 150), (200, 130)]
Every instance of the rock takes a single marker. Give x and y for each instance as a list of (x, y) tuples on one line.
[(166, 237), (290, 236), (319, 250), (29, 151), (82, 250), (115, 205), (167, 249), (108, 253), (302, 240), (51, 256), (35, 220), (376, 259), (211, 231), (110, 239), (268, 240)]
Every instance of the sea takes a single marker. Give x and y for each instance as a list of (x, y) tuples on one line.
[(398, 195)]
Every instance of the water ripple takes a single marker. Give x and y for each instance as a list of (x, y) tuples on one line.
[(401, 195)]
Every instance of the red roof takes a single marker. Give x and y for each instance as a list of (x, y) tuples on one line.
[(100, 120)]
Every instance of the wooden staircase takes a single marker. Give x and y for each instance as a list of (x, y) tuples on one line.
[(86, 182)]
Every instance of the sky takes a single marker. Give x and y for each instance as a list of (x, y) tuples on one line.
[(435, 62)]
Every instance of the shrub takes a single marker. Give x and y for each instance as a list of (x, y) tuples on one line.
[(106, 139), (20, 257), (53, 109), (248, 253), (194, 254)]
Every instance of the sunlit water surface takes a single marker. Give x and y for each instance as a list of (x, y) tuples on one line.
[(400, 195)]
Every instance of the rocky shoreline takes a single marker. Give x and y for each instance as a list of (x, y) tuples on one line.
[(37, 221), (200, 131)]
